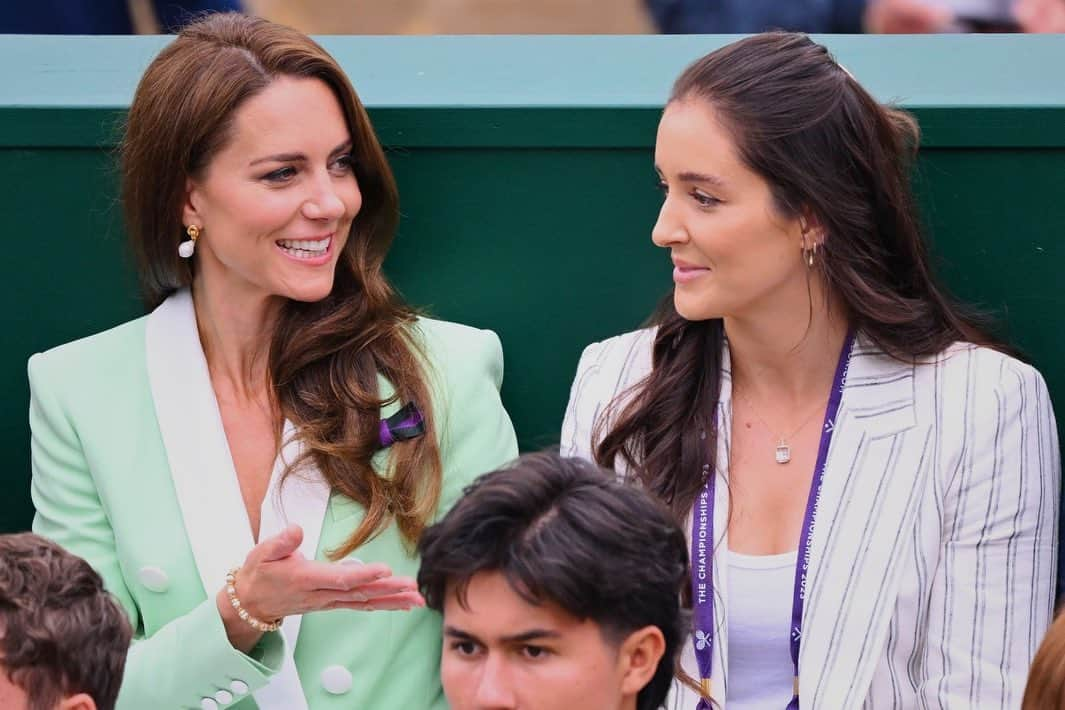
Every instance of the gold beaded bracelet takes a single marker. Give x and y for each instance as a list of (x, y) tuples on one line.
[(231, 592)]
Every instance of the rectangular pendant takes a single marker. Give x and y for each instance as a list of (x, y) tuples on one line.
[(783, 454)]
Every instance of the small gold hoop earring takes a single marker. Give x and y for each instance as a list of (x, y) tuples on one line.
[(187, 248)]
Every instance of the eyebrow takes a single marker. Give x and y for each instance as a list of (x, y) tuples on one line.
[(523, 637), (298, 157), (690, 176)]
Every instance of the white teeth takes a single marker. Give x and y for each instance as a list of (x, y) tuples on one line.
[(305, 244), (305, 248)]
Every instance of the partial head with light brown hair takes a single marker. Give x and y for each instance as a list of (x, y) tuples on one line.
[(328, 349), (1046, 678), (63, 637)]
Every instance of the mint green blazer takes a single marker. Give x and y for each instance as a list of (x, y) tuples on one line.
[(131, 470)]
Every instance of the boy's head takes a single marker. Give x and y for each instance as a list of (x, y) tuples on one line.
[(63, 639), (560, 588)]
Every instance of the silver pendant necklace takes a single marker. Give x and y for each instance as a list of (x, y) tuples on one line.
[(782, 452)]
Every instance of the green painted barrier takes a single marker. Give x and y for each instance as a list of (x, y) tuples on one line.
[(525, 173)]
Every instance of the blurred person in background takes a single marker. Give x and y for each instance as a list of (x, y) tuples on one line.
[(105, 17), (273, 438), (560, 588), (832, 16), (63, 638)]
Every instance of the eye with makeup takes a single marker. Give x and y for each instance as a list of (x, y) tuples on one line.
[(343, 164), (280, 176), (704, 199)]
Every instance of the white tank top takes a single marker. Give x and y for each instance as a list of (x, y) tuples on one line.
[(760, 671)]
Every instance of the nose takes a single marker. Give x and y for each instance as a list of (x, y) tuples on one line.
[(324, 202), (494, 688), (669, 227)]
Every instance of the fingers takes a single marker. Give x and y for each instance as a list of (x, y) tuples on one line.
[(342, 577), (383, 588), (393, 602), (281, 545)]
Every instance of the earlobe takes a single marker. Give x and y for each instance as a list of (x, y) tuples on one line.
[(639, 656), (81, 701)]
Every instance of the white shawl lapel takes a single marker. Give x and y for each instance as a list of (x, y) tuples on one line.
[(205, 480), (872, 484)]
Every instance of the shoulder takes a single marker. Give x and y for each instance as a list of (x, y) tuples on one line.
[(458, 352), (979, 370), (96, 358), (613, 365), (626, 352), (606, 375)]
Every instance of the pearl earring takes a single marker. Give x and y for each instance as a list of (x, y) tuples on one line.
[(187, 248)]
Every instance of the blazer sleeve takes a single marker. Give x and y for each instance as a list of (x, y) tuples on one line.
[(187, 660), (579, 421), (476, 434), (992, 591)]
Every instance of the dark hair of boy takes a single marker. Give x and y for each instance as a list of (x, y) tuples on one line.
[(565, 532)]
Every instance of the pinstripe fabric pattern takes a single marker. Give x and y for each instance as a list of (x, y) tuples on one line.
[(933, 556)]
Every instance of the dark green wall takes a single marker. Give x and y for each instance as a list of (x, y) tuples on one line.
[(527, 191)]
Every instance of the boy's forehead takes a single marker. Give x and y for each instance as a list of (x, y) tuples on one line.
[(492, 605)]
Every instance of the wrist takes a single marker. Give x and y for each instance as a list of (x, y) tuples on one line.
[(241, 636), (247, 616)]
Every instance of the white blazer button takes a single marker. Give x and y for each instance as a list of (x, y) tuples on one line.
[(208, 704), (336, 680), (239, 687), (154, 579), (223, 697)]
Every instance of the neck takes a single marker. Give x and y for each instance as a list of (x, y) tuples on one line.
[(235, 328), (784, 355)]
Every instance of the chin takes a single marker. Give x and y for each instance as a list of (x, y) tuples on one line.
[(694, 310), (310, 293)]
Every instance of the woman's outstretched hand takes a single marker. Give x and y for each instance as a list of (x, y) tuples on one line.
[(276, 581)]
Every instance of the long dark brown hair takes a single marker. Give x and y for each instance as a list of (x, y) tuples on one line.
[(829, 151), (324, 357)]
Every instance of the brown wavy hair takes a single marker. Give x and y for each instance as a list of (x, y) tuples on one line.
[(828, 151), (61, 632), (325, 357), (1046, 678)]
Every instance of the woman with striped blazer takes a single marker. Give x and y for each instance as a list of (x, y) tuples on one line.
[(899, 555)]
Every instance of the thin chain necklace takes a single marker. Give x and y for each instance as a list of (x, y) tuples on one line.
[(782, 453)]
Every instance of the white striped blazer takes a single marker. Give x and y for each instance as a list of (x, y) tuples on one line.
[(933, 555)]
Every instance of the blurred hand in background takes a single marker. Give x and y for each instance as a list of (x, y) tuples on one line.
[(907, 17), (1040, 15)]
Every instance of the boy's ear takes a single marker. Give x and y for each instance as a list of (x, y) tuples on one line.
[(639, 656), (81, 701)]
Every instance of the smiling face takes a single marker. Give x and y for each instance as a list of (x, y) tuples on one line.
[(733, 252), (276, 203), (500, 652)]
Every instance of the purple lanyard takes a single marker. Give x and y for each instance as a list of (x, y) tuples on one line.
[(702, 546)]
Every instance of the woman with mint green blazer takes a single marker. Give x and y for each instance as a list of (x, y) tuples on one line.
[(277, 382)]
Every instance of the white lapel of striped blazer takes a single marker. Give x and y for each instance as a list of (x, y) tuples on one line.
[(877, 463)]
